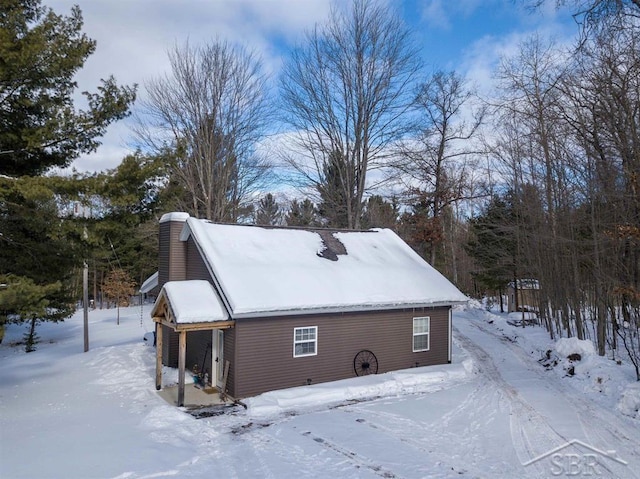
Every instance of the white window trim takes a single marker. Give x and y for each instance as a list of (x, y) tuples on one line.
[(427, 334), (314, 341)]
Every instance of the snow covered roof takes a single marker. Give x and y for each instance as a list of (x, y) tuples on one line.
[(526, 283), (193, 301), (150, 283), (267, 271), (175, 216)]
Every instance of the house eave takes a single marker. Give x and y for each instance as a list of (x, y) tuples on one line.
[(342, 309)]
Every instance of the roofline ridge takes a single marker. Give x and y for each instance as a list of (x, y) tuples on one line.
[(287, 227)]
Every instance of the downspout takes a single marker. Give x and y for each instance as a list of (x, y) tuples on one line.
[(450, 333)]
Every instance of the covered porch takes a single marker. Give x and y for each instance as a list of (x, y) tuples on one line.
[(184, 307), (194, 396)]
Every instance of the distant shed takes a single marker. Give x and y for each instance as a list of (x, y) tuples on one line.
[(523, 295)]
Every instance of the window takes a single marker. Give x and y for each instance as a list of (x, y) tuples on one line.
[(421, 334), (305, 341)]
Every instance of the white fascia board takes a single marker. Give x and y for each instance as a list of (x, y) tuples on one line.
[(338, 310)]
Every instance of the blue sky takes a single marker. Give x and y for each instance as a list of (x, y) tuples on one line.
[(133, 36)]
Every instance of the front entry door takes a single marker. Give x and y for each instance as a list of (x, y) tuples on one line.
[(217, 356)]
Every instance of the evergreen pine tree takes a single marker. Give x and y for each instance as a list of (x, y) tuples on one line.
[(336, 193), (493, 245), (22, 300), (302, 213), (379, 213), (268, 212), (41, 53)]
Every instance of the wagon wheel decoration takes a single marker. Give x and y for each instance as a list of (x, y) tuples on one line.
[(365, 363)]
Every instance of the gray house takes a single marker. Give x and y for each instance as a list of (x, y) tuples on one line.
[(263, 308)]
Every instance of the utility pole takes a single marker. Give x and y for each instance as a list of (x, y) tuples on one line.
[(85, 302), (80, 210)]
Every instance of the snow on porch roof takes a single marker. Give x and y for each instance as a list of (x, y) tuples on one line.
[(193, 301), (263, 270)]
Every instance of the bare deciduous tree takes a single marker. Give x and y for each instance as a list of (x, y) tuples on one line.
[(603, 110), (531, 100), (594, 16), (118, 287), (345, 93), (590, 13), (568, 146), (437, 160), (211, 110)]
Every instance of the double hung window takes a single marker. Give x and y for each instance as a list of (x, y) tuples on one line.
[(421, 328), (305, 341)]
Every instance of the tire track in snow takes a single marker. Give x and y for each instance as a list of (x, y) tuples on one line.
[(601, 428), (357, 459), (304, 462), (259, 445), (621, 431), (402, 423), (415, 434), (531, 433)]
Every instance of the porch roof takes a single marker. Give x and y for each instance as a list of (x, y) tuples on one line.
[(184, 304)]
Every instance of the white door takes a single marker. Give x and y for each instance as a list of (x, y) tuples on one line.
[(217, 356)]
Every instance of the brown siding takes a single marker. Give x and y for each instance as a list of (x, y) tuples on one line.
[(264, 347), (196, 267), (171, 267), (169, 347), (163, 254), (229, 355), (171, 253), (197, 343)]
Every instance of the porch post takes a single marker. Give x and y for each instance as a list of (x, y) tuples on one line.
[(158, 356), (182, 355)]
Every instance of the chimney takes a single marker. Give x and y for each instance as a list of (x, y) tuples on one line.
[(171, 251)]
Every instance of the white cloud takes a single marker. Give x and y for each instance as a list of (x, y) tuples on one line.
[(133, 37), (482, 57), (439, 13), (435, 15)]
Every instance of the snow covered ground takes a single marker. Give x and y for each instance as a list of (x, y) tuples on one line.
[(510, 405)]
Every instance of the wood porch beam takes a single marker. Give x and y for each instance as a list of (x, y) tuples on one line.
[(194, 326), (205, 326), (182, 355), (158, 356)]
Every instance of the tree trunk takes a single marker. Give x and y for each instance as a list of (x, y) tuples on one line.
[(31, 339)]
